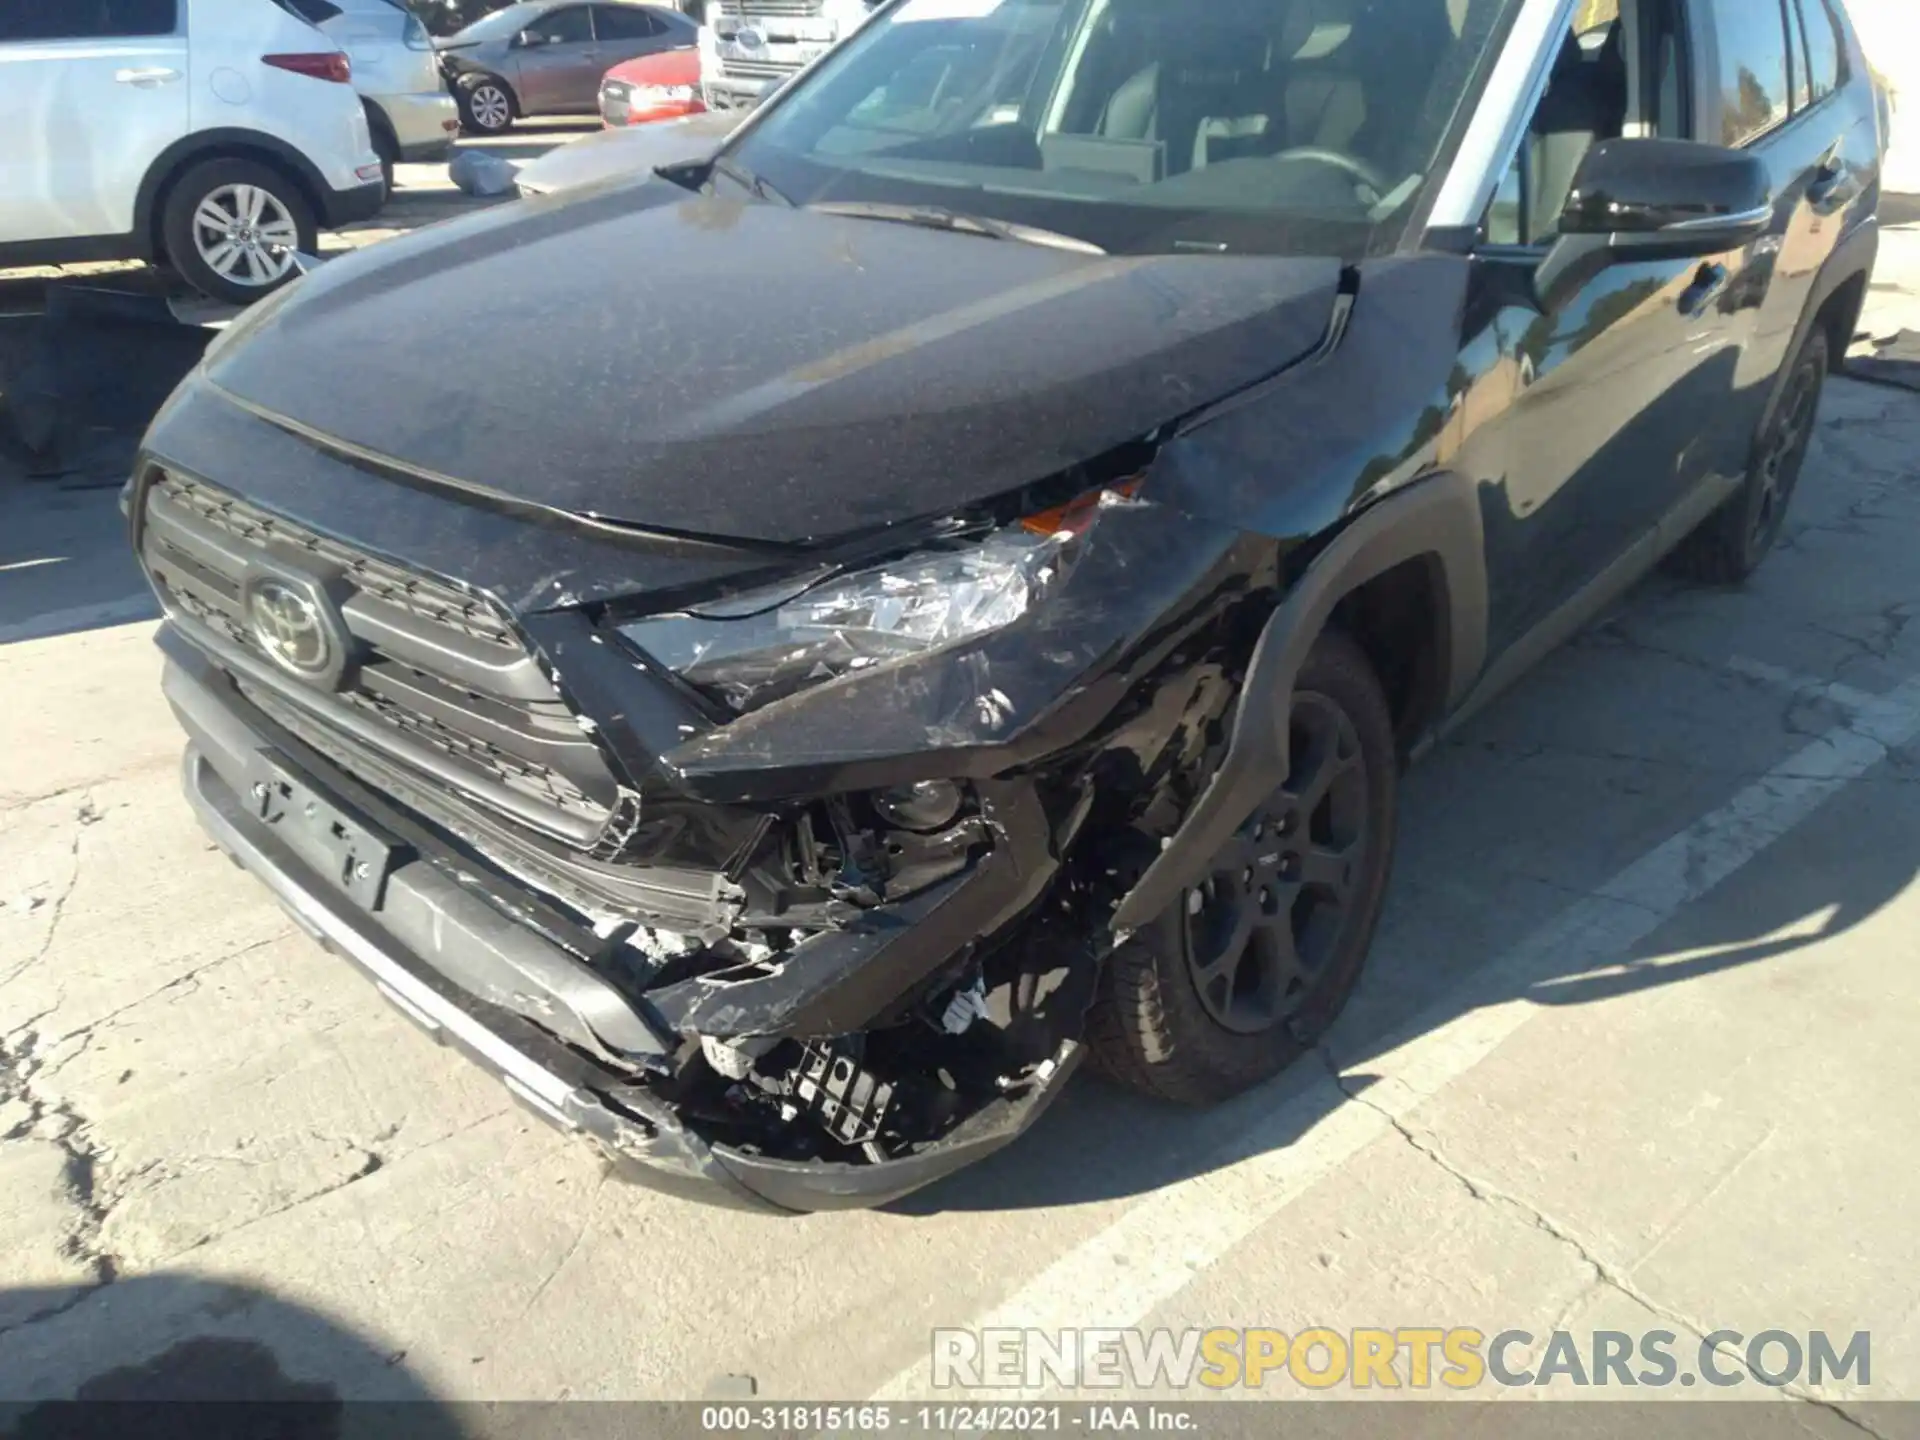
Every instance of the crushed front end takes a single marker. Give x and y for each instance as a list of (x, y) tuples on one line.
[(801, 935)]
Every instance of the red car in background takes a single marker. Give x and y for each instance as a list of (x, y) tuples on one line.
[(654, 87)]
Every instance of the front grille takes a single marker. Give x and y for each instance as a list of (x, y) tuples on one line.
[(784, 9), (428, 599), (441, 684), (766, 70)]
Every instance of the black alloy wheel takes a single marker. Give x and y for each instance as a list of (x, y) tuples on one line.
[(1783, 453), (1251, 968), (1263, 928), (1730, 544)]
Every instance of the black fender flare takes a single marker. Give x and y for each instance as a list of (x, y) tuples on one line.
[(211, 145), (1852, 258), (1436, 519)]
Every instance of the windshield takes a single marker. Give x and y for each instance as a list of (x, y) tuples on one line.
[(502, 23), (1217, 126)]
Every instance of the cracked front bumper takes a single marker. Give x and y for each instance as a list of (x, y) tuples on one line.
[(424, 929)]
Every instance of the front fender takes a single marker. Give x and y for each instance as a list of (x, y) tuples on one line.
[(1436, 520)]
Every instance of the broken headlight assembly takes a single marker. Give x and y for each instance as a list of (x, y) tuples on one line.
[(753, 649)]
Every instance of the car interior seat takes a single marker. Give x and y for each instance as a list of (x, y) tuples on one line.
[(1209, 81), (1585, 103), (1326, 104)]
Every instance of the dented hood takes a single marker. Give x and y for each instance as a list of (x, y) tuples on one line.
[(692, 364)]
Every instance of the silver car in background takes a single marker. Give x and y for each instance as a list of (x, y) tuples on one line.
[(409, 112), (547, 57)]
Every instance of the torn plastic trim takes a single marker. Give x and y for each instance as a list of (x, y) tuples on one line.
[(812, 1186), (847, 980), (1437, 516)]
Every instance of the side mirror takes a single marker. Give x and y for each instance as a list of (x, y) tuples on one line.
[(529, 39), (1644, 199)]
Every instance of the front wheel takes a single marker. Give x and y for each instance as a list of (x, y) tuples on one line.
[(1731, 542), (233, 227), (1250, 969), (486, 106)]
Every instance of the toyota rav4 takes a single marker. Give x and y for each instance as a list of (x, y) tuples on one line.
[(951, 579)]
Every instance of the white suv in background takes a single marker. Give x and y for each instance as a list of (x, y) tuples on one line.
[(412, 113), (217, 136)]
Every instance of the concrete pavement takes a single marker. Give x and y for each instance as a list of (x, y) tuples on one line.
[(1635, 1050)]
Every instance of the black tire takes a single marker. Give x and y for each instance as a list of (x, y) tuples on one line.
[(1162, 1021), (487, 104), (248, 260), (388, 149), (1731, 542)]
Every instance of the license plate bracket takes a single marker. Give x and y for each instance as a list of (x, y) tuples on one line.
[(354, 856)]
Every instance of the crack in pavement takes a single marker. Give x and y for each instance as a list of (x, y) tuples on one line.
[(1604, 1272), (81, 1174), (573, 1248), (85, 816), (372, 1161), (1891, 621), (20, 801), (86, 1033)]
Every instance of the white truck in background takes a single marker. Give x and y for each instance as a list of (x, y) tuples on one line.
[(750, 48)]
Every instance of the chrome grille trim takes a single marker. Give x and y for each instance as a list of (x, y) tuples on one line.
[(255, 528), (748, 10), (766, 70)]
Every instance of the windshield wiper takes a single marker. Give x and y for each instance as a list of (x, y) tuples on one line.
[(935, 217)]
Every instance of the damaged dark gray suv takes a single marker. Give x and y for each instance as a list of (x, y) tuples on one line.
[(950, 580)]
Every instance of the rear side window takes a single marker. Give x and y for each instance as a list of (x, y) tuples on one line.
[(86, 19), (1824, 68), (624, 22), (314, 12), (1753, 67), (564, 27)]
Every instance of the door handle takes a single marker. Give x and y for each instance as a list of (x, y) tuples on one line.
[(1708, 286), (1827, 179), (147, 77)]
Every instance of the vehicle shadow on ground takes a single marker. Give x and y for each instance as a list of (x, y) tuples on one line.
[(1893, 361), (1897, 209), (177, 1356), (78, 384)]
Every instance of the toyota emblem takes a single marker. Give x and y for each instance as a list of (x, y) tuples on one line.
[(291, 629)]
